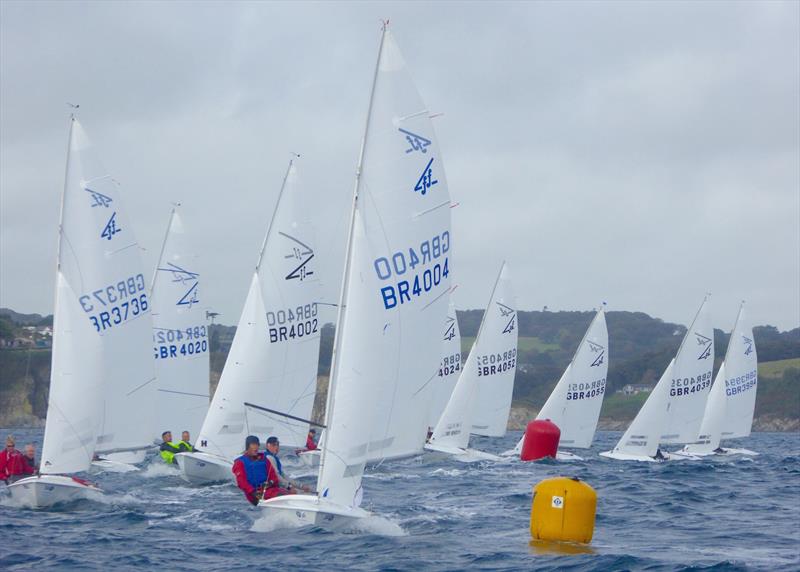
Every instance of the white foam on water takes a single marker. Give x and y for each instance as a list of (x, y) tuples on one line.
[(158, 470), (378, 525)]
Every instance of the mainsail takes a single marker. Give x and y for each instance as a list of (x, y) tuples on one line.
[(99, 261), (732, 401), (574, 405), (674, 398), (273, 358), (493, 339), (180, 334), (496, 360), (449, 368), (395, 286)]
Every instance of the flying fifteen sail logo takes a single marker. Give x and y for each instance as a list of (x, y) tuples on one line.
[(300, 255), (426, 180), (506, 311), (597, 349), (417, 142), (99, 199), (451, 330), (706, 343), (186, 278), (111, 228), (748, 345)]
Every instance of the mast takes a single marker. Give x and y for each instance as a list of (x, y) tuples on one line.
[(64, 193), (348, 256), (275, 212), (163, 246)]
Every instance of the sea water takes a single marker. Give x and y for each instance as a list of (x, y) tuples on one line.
[(721, 513)]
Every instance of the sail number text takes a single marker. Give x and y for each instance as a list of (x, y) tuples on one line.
[(450, 365), (116, 303), (741, 383), (496, 363), (417, 280), (689, 385), (172, 343), (586, 390), (292, 323)]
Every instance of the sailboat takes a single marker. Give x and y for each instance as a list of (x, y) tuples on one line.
[(101, 361), (732, 401), (394, 289), (492, 362), (674, 409), (180, 334), (449, 368), (575, 402), (269, 380)]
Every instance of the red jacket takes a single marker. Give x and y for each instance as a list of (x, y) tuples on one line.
[(310, 445), (249, 490), (13, 463)]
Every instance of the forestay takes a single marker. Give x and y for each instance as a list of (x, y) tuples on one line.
[(395, 287), (496, 360), (99, 258), (574, 405), (449, 368), (180, 334), (273, 359), (691, 381)]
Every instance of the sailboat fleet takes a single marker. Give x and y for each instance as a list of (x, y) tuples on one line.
[(398, 385)]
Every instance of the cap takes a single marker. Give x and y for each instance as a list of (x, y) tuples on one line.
[(249, 440)]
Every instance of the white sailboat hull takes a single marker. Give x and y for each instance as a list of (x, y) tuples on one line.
[(310, 458), (618, 456), (567, 456), (310, 510), (689, 451), (202, 468), (464, 455), (48, 490)]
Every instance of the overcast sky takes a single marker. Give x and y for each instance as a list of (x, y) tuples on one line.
[(636, 153)]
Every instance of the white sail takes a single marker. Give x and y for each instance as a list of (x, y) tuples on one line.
[(395, 286), (273, 359), (99, 258), (691, 380), (496, 360), (454, 426), (731, 403), (644, 433), (574, 405), (180, 334), (75, 400), (449, 368), (741, 379)]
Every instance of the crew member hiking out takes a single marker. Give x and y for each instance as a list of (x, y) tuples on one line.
[(311, 444), (250, 470), (168, 448)]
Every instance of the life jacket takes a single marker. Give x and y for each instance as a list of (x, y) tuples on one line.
[(255, 470), (185, 447), (168, 451)]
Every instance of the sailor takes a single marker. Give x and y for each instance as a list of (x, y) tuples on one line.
[(311, 444), (184, 445), (168, 448), (250, 470), (277, 483), (12, 463), (30, 458)]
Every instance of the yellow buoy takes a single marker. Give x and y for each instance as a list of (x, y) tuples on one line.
[(563, 509)]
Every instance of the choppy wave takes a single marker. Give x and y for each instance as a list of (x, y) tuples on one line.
[(727, 513)]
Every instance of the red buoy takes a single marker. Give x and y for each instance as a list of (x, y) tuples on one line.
[(541, 440)]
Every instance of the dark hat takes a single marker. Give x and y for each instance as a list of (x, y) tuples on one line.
[(314, 431), (273, 441), (164, 434), (249, 440)]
